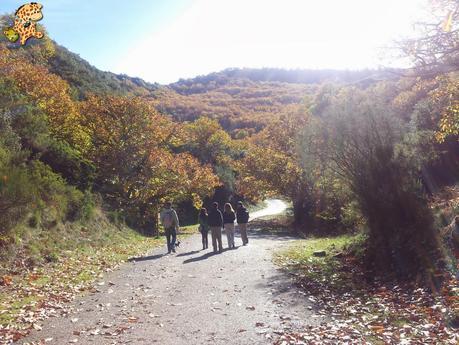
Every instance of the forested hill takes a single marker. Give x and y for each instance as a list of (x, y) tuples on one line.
[(245, 100), (82, 77), (86, 78), (240, 99), (230, 76)]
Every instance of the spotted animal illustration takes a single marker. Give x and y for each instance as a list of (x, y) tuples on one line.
[(24, 23)]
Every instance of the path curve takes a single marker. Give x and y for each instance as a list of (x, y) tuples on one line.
[(191, 297), (273, 207)]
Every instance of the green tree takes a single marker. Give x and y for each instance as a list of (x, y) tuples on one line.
[(357, 137)]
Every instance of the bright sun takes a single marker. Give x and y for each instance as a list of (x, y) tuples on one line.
[(213, 35)]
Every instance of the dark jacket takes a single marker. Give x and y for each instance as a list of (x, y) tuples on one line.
[(242, 215), (203, 222), (215, 218), (228, 218)]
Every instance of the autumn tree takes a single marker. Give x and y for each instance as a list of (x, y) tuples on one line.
[(49, 93), (272, 166), (132, 147), (123, 131), (206, 140), (435, 54), (435, 48), (173, 177)]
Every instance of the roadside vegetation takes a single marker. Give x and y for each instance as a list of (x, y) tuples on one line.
[(363, 307), (87, 158), (41, 274)]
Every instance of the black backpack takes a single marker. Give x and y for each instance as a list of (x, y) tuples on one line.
[(245, 216)]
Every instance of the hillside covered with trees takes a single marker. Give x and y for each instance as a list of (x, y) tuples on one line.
[(353, 151), (320, 138)]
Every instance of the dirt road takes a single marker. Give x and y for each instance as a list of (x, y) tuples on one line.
[(191, 297)]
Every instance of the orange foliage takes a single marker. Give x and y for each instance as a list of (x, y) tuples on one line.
[(49, 93)]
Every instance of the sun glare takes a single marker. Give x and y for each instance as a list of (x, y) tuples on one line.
[(214, 35)]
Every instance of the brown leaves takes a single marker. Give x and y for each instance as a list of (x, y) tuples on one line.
[(130, 130), (6, 280), (33, 296), (365, 313)]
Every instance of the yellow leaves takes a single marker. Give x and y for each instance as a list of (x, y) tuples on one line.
[(179, 176), (443, 94), (50, 93), (448, 22), (446, 96), (266, 171), (129, 130), (197, 201)]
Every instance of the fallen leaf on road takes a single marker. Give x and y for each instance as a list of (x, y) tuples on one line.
[(132, 319), (95, 331), (37, 327)]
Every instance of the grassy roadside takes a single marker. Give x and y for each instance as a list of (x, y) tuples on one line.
[(66, 264), (364, 312)]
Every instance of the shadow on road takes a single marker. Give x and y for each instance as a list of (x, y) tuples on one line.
[(146, 258), (199, 258), (189, 253), (206, 255)]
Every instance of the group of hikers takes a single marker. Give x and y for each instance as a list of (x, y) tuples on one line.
[(214, 221)]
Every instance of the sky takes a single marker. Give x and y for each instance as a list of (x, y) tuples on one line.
[(165, 40)]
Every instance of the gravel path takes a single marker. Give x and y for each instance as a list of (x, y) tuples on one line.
[(191, 297)]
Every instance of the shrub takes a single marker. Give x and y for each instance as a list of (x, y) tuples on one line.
[(81, 205), (17, 191), (69, 163), (116, 217), (357, 136)]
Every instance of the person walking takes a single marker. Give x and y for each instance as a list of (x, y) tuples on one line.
[(215, 222), (242, 216), (204, 227), (169, 219), (228, 224)]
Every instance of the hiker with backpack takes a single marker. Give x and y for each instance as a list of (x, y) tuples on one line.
[(242, 217), (215, 222), (169, 219)]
